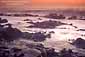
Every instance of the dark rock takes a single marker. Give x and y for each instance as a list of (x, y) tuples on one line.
[(16, 49), (51, 32), (37, 37), (81, 30), (27, 20), (3, 20), (3, 47), (10, 33), (71, 24), (51, 52), (73, 18), (1, 14), (82, 18), (27, 35), (46, 24), (67, 53), (39, 18), (55, 16), (80, 43)]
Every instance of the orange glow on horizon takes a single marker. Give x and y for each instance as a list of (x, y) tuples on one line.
[(37, 4), (58, 2)]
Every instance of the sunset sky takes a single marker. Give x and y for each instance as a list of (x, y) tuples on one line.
[(41, 4)]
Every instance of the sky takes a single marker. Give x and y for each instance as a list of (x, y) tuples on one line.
[(41, 4)]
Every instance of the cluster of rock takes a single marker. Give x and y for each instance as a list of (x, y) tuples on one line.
[(55, 16), (76, 18), (10, 52), (72, 18), (27, 20), (79, 43), (37, 50), (17, 15), (34, 51), (37, 37), (81, 30), (61, 16), (7, 32), (46, 24), (3, 20)]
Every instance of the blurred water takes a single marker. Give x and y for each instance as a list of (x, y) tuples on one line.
[(60, 33)]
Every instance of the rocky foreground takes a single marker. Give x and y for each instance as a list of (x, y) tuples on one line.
[(33, 49)]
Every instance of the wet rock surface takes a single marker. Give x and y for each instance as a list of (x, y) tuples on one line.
[(80, 43), (3, 20), (63, 16), (55, 16), (7, 32), (73, 18), (37, 50), (27, 20), (37, 37), (17, 14), (46, 24), (81, 30)]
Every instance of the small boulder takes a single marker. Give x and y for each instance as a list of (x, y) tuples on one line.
[(80, 43)]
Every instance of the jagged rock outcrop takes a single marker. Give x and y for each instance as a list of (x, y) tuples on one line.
[(37, 37), (46, 24), (55, 16), (80, 43), (3, 20), (7, 32), (73, 18)]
